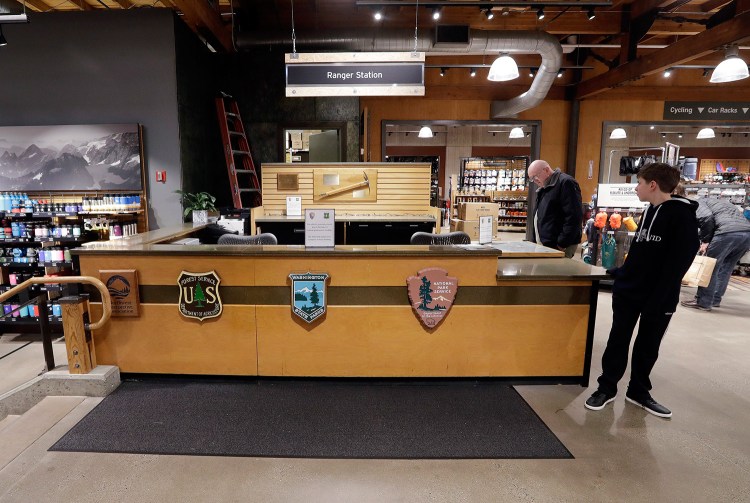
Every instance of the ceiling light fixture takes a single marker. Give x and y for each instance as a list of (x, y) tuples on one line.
[(705, 72), (532, 72), (516, 132), (488, 13), (378, 15), (618, 134), (473, 72), (652, 127), (560, 73), (425, 132), (443, 71), (667, 72), (732, 68), (436, 13), (502, 69), (706, 132), (540, 13), (591, 14), (3, 42)]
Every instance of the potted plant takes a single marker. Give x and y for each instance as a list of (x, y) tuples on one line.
[(197, 203)]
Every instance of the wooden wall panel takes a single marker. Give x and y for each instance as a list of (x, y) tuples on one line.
[(375, 271), (390, 341), (401, 188), (554, 115), (160, 340), (164, 270)]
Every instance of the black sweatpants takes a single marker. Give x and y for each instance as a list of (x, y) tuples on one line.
[(645, 349)]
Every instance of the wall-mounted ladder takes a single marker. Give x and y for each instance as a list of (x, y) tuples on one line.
[(243, 180)]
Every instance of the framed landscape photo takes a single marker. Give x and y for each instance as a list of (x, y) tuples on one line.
[(91, 157)]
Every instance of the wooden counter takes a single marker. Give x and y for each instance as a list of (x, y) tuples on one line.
[(525, 319)]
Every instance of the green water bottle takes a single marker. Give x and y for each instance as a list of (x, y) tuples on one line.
[(609, 251)]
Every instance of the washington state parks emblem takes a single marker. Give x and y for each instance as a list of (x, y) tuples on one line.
[(431, 293), (309, 295), (199, 295)]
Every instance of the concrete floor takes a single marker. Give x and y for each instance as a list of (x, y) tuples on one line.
[(621, 453)]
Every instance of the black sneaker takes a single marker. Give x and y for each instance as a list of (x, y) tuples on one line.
[(598, 400), (694, 304), (651, 406)]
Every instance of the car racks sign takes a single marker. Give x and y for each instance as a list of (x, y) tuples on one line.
[(355, 74)]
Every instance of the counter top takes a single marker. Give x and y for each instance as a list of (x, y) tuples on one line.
[(525, 249), (338, 217), (546, 269)]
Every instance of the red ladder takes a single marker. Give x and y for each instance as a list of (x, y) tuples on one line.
[(237, 148)]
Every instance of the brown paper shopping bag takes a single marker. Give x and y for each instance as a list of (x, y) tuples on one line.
[(700, 271)]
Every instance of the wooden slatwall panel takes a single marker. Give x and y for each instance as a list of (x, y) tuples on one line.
[(403, 188)]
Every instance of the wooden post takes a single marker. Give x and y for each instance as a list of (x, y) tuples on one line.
[(79, 353)]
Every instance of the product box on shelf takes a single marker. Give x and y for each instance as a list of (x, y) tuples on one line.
[(470, 227), (472, 211)]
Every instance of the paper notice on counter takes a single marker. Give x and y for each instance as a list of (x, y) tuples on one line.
[(486, 229), (294, 206), (320, 228)]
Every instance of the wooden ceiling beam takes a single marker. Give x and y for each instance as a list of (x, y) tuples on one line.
[(713, 5), (199, 14), (681, 51), (36, 5), (125, 4), (82, 4)]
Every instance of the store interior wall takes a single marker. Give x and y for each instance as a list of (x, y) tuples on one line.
[(204, 167), (256, 79), (100, 67)]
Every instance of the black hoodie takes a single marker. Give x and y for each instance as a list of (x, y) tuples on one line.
[(660, 254)]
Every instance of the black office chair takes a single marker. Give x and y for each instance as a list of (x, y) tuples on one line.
[(259, 239), (451, 238)]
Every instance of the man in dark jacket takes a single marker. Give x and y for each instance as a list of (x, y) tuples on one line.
[(647, 286), (725, 236), (559, 213)]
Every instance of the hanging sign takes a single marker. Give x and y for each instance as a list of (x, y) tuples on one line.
[(355, 74), (431, 293), (309, 295), (123, 291), (199, 295), (618, 195), (706, 110)]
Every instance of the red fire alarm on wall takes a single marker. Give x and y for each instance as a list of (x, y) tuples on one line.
[(161, 176)]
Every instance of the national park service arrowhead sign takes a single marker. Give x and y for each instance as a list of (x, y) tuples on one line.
[(431, 293), (309, 297), (199, 295)]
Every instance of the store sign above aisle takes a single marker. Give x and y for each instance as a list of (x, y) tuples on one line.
[(309, 296), (431, 293), (706, 110), (355, 74), (618, 195), (199, 295)]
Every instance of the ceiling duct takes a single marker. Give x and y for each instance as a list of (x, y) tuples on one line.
[(397, 40)]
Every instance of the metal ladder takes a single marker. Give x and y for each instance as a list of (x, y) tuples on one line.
[(237, 150)]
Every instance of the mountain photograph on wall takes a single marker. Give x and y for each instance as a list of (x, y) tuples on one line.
[(76, 158)]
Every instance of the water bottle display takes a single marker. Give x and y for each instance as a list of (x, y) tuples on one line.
[(609, 251)]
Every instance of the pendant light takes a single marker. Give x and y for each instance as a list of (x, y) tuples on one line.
[(732, 68), (2, 37), (618, 134), (705, 133), (516, 132), (502, 69), (425, 132)]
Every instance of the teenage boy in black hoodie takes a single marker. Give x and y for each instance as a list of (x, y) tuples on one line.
[(647, 285)]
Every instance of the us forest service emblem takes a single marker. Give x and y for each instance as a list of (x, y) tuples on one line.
[(431, 293), (309, 295), (199, 295)]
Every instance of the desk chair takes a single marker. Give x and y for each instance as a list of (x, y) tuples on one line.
[(451, 238), (259, 239)]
